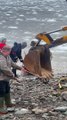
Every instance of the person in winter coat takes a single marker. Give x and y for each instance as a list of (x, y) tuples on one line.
[(16, 53), (5, 75)]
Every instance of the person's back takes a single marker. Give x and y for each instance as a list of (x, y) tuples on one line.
[(14, 50), (18, 50)]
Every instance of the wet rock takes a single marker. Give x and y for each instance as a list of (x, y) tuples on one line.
[(45, 115), (61, 109), (33, 105), (64, 95), (39, 110), (65, 113), (64, 85), (65, 118), (20, 111), (55, 93), (7, 116), (52, 113)]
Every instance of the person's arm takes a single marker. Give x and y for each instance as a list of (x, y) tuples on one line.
[(18, 53), (5, 69), (13, 56), (14, 65), (8, 73)]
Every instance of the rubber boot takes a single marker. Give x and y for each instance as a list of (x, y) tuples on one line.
[(10, 106), (2, 108)]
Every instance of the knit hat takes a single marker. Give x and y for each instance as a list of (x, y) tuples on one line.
[(33, 43), (2, 39), (23, 45), (5, 47)]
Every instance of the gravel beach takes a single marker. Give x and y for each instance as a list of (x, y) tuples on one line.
[(37, 100)]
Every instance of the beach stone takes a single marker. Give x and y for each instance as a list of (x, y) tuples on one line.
[(34, 105), (6, 117), (55, 93), (11, 109), (39, 111), (20, 111), (61, 109), (65, 85), (64, 95), (65, 113), (52, 113), (45, 115), (65, 118)]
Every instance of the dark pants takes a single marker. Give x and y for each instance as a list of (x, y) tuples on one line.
[(4, 88)]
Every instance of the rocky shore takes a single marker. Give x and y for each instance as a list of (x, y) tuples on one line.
[(40, 100), (37, 100)]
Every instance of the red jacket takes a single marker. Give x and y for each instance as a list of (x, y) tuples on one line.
[(2, 45)]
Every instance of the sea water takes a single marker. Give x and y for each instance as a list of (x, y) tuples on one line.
[(22, 20)]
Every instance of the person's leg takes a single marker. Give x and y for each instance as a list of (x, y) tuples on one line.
[(7, 96), (2, 94), (8, 103)]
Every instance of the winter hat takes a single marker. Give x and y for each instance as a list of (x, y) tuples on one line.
[(33, 43), (4, 47), (23, 45), (2, 39)]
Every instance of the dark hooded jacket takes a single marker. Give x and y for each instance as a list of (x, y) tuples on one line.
[(16, 51)]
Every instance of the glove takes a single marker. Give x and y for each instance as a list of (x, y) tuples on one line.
[(21, 60)]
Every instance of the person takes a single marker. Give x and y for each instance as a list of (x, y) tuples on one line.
[(16, 53), (33, 45), (3, 40), (5, 75)]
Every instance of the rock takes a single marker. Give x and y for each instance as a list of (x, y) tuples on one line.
[(64, 85), (52, 113), (65, 118), (64, 95), (20, 111), (45, 115), (55, 93), (39, 111), (61, 109), (7, 116), (11, 109), (65, 113)]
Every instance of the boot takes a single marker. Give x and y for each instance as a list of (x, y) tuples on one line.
[(8, 101), (9, 104), (2, 108)]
